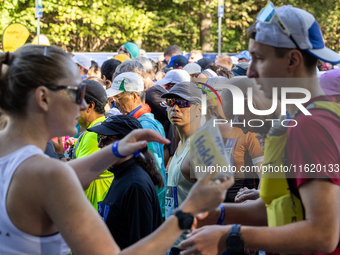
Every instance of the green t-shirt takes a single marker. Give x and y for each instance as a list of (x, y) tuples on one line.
[(97, 190)]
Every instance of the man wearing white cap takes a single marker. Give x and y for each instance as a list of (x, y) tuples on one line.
[(193, 70), (129, 95), (83, 63), (298, 210)]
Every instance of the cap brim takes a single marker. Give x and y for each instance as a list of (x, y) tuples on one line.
[(175, 95), (163, 82), (326, 55), (113, 92), (103, 130)]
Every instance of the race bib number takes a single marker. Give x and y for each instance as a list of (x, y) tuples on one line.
[(103, 210), (171, 200)]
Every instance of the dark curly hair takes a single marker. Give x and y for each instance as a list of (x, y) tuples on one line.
[(220, 70)]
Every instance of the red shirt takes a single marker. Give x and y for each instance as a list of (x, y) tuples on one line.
[(315, 140)]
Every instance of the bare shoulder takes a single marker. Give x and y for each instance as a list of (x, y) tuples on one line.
[(41, 174), (187, 169), (42, 167)]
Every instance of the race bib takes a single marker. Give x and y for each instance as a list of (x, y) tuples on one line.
[(171, 200), (103, 210)]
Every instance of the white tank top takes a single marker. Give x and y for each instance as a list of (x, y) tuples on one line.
[(12, 240)]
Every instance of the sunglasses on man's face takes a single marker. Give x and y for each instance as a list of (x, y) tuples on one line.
[(181, 103), (79, 90)]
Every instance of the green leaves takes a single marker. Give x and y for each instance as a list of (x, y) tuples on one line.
[(103, 25)]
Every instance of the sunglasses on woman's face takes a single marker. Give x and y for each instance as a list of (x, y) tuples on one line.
[(79, 90), (104, 140), (181, 103)]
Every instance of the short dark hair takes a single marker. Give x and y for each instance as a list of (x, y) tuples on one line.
[(220, 70), (173, 49), (98, 106), (109, 68), (309, 60), (94, 65)]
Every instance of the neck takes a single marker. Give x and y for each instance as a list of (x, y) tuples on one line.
[(92, 118), (20, 132)]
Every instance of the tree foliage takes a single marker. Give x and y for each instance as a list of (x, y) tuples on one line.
[(103, 25)]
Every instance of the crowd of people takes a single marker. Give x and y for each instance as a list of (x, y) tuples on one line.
[(96, 159)]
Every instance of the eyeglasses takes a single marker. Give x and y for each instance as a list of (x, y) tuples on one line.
[(179, 102), (101, 139), (122, 49), (118, 98), (104, 140), (80, 91), (268, 15)]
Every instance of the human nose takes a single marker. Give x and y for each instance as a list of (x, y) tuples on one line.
[(83, 105), (252, 72), (176, 108)]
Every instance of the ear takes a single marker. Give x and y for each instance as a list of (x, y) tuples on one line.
[(90, 107), (295, 60), (42, 98), (199, 110), (134, 97), (104, 78)]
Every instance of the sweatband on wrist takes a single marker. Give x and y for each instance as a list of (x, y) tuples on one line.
[(115, 150), (116, 153), (221, 219)]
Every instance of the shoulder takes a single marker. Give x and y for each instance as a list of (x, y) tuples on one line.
[(150, 122), (320, 123)]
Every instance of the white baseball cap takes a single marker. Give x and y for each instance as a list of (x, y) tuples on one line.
[(128, 81), (82, 60), (192, 68), (303, 29), (174, 76)]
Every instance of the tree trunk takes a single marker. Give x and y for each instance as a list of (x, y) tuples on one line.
[(205, 33)]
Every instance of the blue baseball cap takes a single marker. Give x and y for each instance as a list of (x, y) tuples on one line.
[(244, 54), (178, 61), (303, 28)]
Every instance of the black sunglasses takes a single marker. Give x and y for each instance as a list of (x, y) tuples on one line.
[(80, 91), (180, 102), (105, 139)]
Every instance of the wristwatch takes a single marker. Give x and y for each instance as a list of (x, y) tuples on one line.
[(185, 220), (234, 240)]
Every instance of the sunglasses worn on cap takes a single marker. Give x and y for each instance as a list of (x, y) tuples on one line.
[(80, 91), (268, 15), (179, 102)]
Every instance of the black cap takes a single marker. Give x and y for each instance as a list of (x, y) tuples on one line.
[(179, 61), (204, 62), (118, 125), (95, 91)]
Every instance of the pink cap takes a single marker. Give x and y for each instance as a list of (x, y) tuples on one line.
[(330, 82)]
